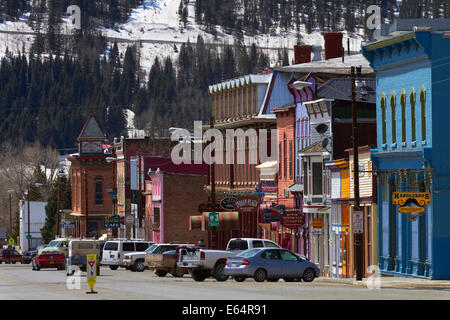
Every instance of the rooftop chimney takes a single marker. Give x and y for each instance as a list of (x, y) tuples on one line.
[(333, 45), (302, 54)]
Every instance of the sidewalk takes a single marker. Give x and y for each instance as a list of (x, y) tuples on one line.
[(388, 282)]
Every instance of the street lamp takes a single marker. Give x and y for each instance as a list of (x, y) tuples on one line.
[(10, 192), (29, 222), (58, 200)]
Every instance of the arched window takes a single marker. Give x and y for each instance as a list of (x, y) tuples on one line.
[(393, 102), (412, 101), (403, 104), (285, 156), (383, 117), (423, 101)]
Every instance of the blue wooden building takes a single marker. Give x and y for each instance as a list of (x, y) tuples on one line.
[(413, 147)]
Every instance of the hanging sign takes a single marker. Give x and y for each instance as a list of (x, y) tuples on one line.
[(317, 224), (273, 214), (112, 222), (411, 202), (246, 204), (292, 220), (228, 203)]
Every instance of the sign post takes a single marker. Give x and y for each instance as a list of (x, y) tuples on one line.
[(91, 272)]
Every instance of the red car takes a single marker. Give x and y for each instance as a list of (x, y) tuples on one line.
[(52, 259), (9, 256)]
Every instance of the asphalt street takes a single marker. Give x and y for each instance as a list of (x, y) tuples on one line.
[(19, 282)]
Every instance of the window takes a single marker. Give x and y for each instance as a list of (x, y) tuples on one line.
[(383, 118), (111, 246), (393, 103), (285, 157), (258, 244), (98, 191), (141, 246), (317, 178), (305, 177), (412, 101), (289, 256), (291, 164), (279, 161), (423, 101), (249, 253), (270, 244), (271, 254), (156, 216), (403, 104), (238, 245), (128, 246)]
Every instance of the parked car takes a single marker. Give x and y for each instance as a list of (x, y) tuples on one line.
[(27, 257), (9, 256), (78, 251), (61, 245), (202, 263), (114, 251), (135, 261), (163, 259), (49, 259), (270, 264)]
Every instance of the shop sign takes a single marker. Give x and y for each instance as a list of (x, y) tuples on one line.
[(411, 202), (317, 231), (292, 220), (317, 223), (358, 221), (67, 225), (112, 222), (269, 187), (273, 214), (246, 204), (228, 203)]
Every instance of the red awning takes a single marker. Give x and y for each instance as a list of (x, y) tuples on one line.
[(196, 222)]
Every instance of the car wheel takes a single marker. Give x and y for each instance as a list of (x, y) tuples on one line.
[(309, 275), (160, 273), (177, 272), (260, 275), (219, 273), (114, 267), (239, 279), (140, 267), (199, 275)]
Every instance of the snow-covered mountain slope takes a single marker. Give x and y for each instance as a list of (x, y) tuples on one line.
[(156, 25)]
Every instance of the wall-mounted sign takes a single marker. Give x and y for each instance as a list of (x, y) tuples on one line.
[(112, 222), (358, 221), (246, 204), (411, 202), (228, 203), (213, 219), (317, 223), (292, 220)]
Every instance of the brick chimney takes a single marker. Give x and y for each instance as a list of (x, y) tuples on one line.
[(333, 45), (302, 54)]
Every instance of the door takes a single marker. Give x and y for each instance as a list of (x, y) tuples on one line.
[(272, 263), (292, 267)]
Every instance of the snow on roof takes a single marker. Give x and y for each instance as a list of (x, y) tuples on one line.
[(335, 65), (240, 82)]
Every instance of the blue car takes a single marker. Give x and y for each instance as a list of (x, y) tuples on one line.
[(270, 264)]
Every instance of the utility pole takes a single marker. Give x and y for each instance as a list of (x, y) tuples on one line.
[(213, 191), (10, 192), (58, 199), (86, 232), (29, 230), (139, 192), (357, 236)]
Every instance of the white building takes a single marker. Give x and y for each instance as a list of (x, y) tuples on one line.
[(37, 219)]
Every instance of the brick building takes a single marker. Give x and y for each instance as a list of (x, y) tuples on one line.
[(91, 177)]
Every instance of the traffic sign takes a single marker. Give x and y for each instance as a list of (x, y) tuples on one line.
[(11, 242), (129, 220), (358, 221), (213, 219), (28, 236), (91, 271)]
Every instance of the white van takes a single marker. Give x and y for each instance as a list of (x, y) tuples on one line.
[(115, 250)]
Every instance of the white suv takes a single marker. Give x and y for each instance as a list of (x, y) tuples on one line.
[(114, 251)]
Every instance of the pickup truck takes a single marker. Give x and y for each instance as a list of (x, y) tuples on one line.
[(203, 263), (165, 260)]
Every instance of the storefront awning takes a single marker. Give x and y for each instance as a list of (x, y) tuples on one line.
[(268, 170), (195, 222), (227, 221)]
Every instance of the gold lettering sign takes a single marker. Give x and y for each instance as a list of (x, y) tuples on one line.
[(411, 209), (417, 198)]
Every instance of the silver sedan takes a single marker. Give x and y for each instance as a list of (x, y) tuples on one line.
[(270, 264)]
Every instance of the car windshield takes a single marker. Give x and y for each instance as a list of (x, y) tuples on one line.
[(53, 244), (151, 248), (249, 253)]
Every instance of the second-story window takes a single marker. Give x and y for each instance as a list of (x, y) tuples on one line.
[(99, 191), (317, 178), (403, 104), (383, 118), (291, 163), (285, 157), (423, 101), (393, 102), (412, 101)]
